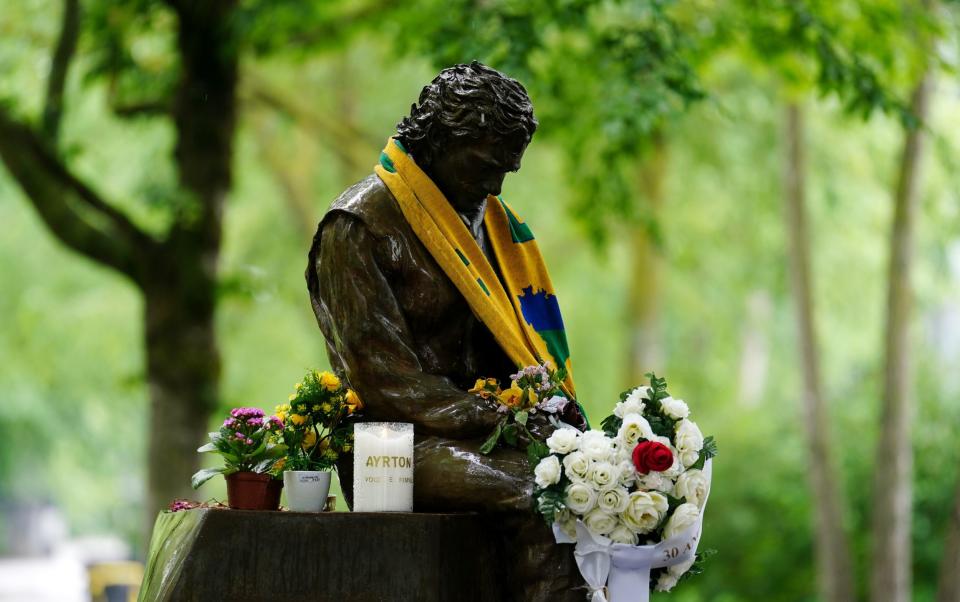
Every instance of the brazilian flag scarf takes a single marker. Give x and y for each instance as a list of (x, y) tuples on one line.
[(525, 318)]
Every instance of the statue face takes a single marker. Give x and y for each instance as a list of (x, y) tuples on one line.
[(470, 170)]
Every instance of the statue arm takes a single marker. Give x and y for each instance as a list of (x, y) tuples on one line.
[(366, 328)]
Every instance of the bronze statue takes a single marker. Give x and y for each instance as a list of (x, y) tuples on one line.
[(405, 338)]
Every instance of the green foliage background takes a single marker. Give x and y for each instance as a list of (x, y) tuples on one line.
[(73, 410)]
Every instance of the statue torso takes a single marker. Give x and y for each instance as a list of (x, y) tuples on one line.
[(447, 338)]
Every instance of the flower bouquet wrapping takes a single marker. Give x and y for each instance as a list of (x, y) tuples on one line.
[(630, 496)]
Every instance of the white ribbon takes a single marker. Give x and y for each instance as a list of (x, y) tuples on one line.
[(625, 569)]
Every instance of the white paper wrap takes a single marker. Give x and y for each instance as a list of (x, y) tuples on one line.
[(618, 572)]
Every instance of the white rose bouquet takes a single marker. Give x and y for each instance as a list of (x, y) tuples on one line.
[(631, 496)]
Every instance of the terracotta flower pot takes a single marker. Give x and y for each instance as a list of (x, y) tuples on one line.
[(253, 491)]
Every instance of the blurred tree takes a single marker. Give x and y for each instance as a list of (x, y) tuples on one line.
[(177, 273), (833, 554), (172, 60), (890, 577)]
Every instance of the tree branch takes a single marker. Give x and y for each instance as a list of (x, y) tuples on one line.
[(340, 137), (72, 211), (62, 56)]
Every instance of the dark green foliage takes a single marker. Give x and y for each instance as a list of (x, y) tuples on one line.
[(550, 502)]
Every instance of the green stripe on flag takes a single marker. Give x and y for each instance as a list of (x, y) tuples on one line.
[(387, 163), (400, 146), (483, 286), (462, 257), (518, 232)]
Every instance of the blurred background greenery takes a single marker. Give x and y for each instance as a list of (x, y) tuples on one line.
[(658, 185)]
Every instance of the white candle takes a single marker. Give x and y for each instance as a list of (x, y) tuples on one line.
[(383, 467)]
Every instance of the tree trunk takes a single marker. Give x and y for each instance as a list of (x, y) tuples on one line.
[(834, 561), (890, 579), (183, 361), (643, 296), (183, 369), (948, 589)]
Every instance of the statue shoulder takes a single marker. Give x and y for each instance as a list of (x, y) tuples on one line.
[(370, 201)]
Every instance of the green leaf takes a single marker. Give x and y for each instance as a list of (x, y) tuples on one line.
[(708, 451), (611, 425), (491, 441), (536, 451), (510, 434), (209, 447), (709, 448), (202, 476), (521, 417)]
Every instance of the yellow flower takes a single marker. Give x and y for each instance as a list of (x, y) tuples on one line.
[(298, 386), (512, 397), (293, 396), (326, 407), (353, 401), (309, 440), (329, 381), (297, 419), (347, 447), (279, 464), (281, 411), (316, 407), (485, 387), (301, 407)]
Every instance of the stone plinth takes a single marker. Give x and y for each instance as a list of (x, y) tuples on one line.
[(206, 555)]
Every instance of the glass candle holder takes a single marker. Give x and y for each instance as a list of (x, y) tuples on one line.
[(383, 467)]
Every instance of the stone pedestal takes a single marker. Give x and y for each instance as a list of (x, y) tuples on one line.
[(205, 555)]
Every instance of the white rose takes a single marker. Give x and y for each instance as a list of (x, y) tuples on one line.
[(677, 570), (564, 440), (689, 441), (547, 471), (595, 445), (693, 486), (580, 498), (613, 500), (684, 517), (666, 581), (621, 451), (633, 404), (599, 522), (634, 428), (675, 408), (603, 475), (674, 471), (644, 511), (621, 534), (576, 466), (628, 473), (655, 481)]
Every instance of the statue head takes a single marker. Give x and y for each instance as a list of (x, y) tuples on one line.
[(469, 128)]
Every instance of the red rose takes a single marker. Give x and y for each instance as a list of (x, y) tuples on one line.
[(650, 455)]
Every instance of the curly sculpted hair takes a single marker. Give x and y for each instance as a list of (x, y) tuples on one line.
[(466, 101)]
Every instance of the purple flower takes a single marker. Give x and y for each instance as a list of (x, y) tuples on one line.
[(553, 405), (255, 422), (249, 442), (229, 422)]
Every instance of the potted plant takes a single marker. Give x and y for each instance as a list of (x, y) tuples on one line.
[(247, 442), (314, 433)]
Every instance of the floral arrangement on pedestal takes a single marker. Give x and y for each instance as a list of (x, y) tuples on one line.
[(631, 496), (249, 450), (532, 389), (314, 430)]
